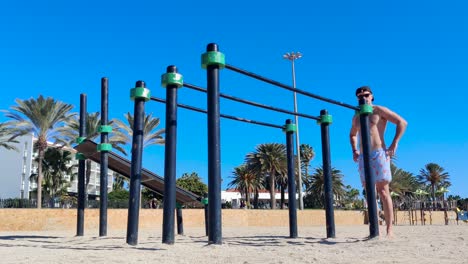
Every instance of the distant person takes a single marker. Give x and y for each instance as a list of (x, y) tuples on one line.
[(380, 154)]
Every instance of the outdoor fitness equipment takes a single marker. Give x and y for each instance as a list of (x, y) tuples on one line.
[(103, 148), (172, 81), (213, 61)]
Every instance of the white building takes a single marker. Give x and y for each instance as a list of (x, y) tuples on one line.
[(235, 198), (17, 167)]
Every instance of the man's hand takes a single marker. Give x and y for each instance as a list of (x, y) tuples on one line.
[(356, 155), (391, 151)]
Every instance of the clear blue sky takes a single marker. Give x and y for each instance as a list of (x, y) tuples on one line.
[(412, 53)]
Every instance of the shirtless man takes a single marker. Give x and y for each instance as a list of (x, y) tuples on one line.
[(380, 155)]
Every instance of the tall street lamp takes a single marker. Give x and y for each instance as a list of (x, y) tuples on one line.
[(292, 56)]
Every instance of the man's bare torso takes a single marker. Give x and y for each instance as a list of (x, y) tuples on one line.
[(377, 126)]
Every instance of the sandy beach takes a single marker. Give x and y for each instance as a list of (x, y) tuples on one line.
[(412, 244)]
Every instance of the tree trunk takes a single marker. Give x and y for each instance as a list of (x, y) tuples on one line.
[(433, 196), (272, 190), (39, 179), (247, 198)]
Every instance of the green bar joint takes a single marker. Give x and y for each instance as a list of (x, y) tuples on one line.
[(325, 119), (104, 147), (172, 78), (213, 58), (80, 140), (140, 92), (178, 206), (204, 201), (80, 156), (365, 109), (289, 128), (105, 129)]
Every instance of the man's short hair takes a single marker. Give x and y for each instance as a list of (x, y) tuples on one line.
[(364, 89)]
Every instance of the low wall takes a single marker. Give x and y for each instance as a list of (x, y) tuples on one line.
[(65, 219)]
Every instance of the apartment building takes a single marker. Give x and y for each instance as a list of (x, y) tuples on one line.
[(16, 167)]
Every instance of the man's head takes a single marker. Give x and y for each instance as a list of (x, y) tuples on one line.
[(366, 93)]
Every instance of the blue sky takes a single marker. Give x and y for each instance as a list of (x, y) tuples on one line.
[(412, 53)]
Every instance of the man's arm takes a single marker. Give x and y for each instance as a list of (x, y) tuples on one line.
[(400, 127), (353, 138)]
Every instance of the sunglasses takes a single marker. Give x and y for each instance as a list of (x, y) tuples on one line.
[(364, 95)]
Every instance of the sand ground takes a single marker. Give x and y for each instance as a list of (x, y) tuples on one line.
[(412, 244)]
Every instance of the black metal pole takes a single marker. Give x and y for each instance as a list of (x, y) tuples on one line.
[(81, 170), (327, 174), (136, 167), (291, 180), (236, 99), (214, 151), (170, 161), (180, 220), (370, 178), (104, 159), (207, 219)]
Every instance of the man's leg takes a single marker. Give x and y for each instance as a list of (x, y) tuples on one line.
[(384, 193)]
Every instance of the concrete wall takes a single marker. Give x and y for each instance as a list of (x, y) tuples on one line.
[(65, 219)]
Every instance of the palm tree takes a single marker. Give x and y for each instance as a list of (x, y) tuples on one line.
[(56, 165), (307, 155), (41, 116), (434, 175), (119, 182), (71, 131), (8, 135), (315, 185), (243, 180), (403, 182), (149, 125), (268, 160)]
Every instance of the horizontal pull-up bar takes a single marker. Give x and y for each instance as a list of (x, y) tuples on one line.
[(287, 87), (222, 115), (200, 89)]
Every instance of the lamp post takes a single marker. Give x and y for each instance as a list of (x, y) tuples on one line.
[(292, 56)]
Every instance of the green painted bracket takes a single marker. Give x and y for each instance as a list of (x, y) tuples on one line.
[(80, 156), (140, 92), (105, 129), (365, 109), (290, 128), (213, 58), (172, 78), (80, 140), (104, 147), (325, 119)]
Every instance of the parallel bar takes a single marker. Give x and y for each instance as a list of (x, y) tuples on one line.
[(230, 97), (327, 175), (214, 151), (135, 170), (287, 87), (370, 178), (222, 115), (170, 161), (81, 170), (291, 183), (104, 159)]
